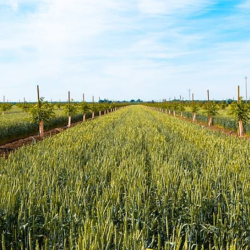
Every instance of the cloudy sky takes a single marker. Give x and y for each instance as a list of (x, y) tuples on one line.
[(124, 49)]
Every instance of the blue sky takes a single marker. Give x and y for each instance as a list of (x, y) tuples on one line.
[(116, 49)]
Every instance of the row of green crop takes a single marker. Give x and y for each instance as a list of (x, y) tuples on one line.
[(134, 179), (21, 128), (15, 123), (221, 121), (240, 111)]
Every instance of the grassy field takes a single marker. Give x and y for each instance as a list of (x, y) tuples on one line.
[(133, 179)]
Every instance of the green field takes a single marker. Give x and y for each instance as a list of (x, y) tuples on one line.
[(16, 123), (133, 179)]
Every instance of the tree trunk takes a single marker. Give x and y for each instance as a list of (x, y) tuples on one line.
[(169, 112), (174, 113), (93, 115), (241, 129), (210, 121), (83, 117), (104, 112), (100, 113), (181, 114), (41, 129), (3, 113), (69, 122), (194, 117)]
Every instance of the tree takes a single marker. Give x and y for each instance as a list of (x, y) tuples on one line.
[(84, 108), (58, 105), (195, 108), (40, 113), (182, 108), (5, 107), (175, 106), (241, 112), (211, 109), (70, 109), (93, 108), (223, 105)]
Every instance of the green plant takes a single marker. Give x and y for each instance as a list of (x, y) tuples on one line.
[(58, 105), (195, 108), (211, 109), (5, 107), (84, 107), (241, 112), (40, 113), (70, 109)]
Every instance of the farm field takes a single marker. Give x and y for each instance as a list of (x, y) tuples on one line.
[(133, 179), (222, 118), (16, 123)]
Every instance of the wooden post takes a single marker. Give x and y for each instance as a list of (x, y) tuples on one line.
[(246, 88), (240, 129), (181, 106), (93, 112), (194, 114), (41, 128), (69, 119), (38, 96), (41, 123), (84, 115), (210, 119)]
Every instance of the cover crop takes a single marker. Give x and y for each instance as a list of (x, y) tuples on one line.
[(134, 179)]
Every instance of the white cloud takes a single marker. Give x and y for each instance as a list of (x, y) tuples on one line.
[(110, 49), (170, 6), (245, 5)]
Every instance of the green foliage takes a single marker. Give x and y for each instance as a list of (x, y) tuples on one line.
[(70, 109), (240, 110), (182, 107), (94, 107), (175, 106), (167, 105), (223, 105), (5, 106), (84, 107), (42, 111), (211, 108), (58, 105), (195, 107), (24, 106)]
